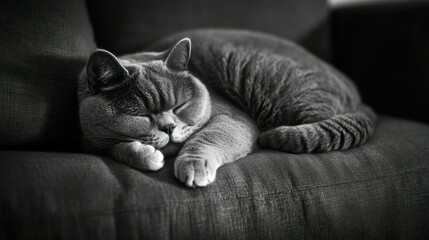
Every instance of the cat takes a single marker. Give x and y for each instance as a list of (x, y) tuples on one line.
[(238, 91)]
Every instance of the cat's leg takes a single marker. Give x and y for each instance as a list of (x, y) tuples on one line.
[(138, 156), (223, 140)]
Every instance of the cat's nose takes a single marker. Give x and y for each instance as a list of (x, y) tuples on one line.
[(168, 128)]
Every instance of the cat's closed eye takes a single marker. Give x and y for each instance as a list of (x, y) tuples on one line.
[(180, 107), (144, 119)]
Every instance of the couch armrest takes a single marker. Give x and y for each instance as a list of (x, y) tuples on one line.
[(384, 48)]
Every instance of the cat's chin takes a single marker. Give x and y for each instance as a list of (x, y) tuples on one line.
[(177, 140)]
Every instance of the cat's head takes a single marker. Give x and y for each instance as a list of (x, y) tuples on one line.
[(149, 97)]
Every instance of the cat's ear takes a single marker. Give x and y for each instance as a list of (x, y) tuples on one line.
[(104, 71), (179, 55)]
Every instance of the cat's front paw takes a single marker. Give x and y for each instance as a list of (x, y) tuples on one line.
[(145, 157), (195, 171)]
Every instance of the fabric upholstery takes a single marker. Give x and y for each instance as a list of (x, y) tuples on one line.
[(376, 191), (127, 26), (43, 46)]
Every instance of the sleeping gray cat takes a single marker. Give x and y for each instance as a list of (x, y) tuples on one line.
[(239, 90)]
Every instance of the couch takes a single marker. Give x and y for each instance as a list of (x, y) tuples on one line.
[(50, 189)]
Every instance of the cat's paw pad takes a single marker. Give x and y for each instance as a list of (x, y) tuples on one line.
[(146, 157), (195, 171)]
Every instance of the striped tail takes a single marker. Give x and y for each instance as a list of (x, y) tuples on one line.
[(340, 132)]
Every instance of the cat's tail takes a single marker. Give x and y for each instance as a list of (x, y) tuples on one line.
[(340, 132)]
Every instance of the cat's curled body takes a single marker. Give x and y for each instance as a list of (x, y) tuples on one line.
[(236, 90)]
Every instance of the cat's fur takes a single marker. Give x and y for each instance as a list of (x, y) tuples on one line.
[(237, 89)]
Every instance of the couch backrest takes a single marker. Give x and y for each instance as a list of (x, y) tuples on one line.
[(43, 45), (129, 25)]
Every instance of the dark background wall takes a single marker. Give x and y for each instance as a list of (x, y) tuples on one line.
[(384, 48)]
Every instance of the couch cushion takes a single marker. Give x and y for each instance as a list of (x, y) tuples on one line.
[(129, 25), (43, 46), (377, 191)]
